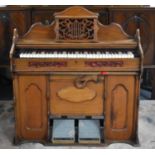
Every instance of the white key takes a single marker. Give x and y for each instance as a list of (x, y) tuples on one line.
[(98, 54), (124, 55), (39, 55), (64, 55), (85, 54), (114, 55), (88, 56), (33, 55), (42, 54), (106, 54), (30, 55), (94, 55), (91, 55), (56, 55), (69, 55), (26, 55), (21, 55), (103, 55), (80, 55), (120, 54), (50, 55), (74, 56), (128, 54), (59, 55), (131, 54)]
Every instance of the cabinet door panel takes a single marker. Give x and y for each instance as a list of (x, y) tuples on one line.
[(32, 107), (120, 101), (67, 99), (119, 107)]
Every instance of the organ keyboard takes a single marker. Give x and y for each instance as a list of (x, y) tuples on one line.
[(77, 54), (78, 74)]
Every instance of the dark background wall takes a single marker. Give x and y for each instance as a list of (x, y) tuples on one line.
[(130, 17)]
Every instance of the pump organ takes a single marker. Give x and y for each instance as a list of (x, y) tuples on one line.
[(74, 73)]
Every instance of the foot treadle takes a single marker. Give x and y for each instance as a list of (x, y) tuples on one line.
[(89, 132), (63, 131)]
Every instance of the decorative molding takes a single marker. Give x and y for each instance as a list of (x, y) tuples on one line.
[(76, 11), (28, 100), (47, 64), (116, 102), (104, 63)]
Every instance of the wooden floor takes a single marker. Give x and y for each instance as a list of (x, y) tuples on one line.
[(145, 133)]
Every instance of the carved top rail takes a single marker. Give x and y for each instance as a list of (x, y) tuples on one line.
[(73, 25)]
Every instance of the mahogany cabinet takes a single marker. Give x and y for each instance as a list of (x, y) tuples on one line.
[(76, 96), (37, 99), (31, 107)]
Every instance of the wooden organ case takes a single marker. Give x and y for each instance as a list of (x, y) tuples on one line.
[(76, 81)]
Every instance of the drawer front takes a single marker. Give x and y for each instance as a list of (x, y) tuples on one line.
[(76, 95)]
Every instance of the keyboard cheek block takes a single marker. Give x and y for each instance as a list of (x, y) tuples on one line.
[(76, 81)]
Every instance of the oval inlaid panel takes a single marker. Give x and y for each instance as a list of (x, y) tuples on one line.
[(76, 95)]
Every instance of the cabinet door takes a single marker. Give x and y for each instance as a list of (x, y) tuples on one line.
[(31, 108), (120, 106), (67, 98)]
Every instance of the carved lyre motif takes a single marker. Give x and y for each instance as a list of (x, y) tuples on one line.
[(78, 27)]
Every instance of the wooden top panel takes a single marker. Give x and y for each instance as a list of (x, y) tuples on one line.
[(40, 34), (76, 12)]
